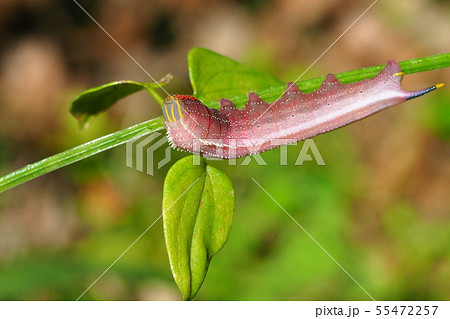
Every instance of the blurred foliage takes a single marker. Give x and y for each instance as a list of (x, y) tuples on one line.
[(380, 206), (437, 117)]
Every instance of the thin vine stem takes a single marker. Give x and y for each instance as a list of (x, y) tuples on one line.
[(78, 153), (153, 93), (411, 66), (106, 142)]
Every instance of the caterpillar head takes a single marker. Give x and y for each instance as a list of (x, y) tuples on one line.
[(173, 108)]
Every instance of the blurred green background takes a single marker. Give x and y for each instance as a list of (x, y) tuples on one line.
[(380, 206)]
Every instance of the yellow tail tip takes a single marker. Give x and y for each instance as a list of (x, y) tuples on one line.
[(399, 74), (438, 86)]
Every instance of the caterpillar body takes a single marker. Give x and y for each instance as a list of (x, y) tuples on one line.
[(261, 126)]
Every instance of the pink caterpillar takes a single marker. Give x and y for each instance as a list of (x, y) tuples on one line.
[(295, 116)]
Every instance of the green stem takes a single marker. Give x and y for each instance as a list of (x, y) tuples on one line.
[(78, 153), (411, 66), (103, 143), (153, 93)]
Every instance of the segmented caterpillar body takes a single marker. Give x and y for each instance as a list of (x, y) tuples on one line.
[(261, 126)]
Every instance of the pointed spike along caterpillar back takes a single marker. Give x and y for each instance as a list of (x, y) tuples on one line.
[(295, 116)]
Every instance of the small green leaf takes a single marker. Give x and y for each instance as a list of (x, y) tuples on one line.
[(198, 206), (214, 76), (97, 99)]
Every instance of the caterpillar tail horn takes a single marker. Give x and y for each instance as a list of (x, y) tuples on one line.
[(413, 95)]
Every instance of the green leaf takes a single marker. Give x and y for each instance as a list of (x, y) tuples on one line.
[(198, 206), (97, 99), (214, 76)]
